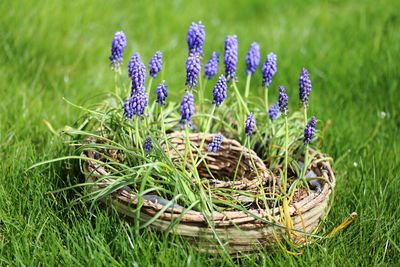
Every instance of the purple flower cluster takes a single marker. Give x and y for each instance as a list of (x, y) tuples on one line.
[(147, 145), (193, 68), (155, 64), (309, 131), (117, 49), (187, 108), (269, 69), (137, 72), (195, 38), (219, 91), (250, 123), (273, 112), (211, 67), (231, 56), (216, 143), (135, 104), (162, 93), (283, 100), (304, 86), (253, 58)]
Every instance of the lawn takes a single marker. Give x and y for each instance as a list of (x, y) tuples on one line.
[(50, 50)]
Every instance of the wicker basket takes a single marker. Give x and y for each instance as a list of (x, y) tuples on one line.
[(238, 229)]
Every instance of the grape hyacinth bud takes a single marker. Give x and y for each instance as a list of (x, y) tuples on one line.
[(309, 131), (193, 68), (219, 91), (269, 69), (117, 49), (250, 123), (216, 143), (273, 112), (211, 67), (187, 108), (162, 93), (253, 58), (304, 86), (155, 64), (283, 100), (147, 145), (231, 56), (195, 38), (137, 72), (135, 104)]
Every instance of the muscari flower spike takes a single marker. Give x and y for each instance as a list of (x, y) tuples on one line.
[(162, 93), (147, 144), (195, 38), (135, 104), (155, 64), (304, 86), (269, 69), (187, 108), (117, 49), (231, 56), (253, 58), (219, 91), (283, 100), (211, 67), (273, 112), (250, 123), (137, 72), (216, 143), (309, 131), (193, 68)]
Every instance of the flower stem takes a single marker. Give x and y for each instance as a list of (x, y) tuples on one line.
[(164, 132), (285, 170), (266, 99), (206, 130), (137, 135), (117, 74), (150, 83), (305, 115), (201, 96), (240, 98), (247, 90)]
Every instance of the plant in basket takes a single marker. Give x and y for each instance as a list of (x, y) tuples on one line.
[(232, 172)]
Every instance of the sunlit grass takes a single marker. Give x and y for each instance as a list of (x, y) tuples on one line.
[(51, 50)]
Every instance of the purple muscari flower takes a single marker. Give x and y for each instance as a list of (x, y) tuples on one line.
[(283, 100), (211, 67), (250, 123), (137, 72), (162, 93), (117, 49), (231, 56), (219, 91), (195, 38), (253, 58), (273, 112), (187, 108), (135, 104), (155, 64), (193, 68), (309, 131), (147, 144), (304, 86), (216, 143), (269, 69)]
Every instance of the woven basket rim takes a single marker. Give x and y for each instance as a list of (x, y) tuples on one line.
[(219, 218)]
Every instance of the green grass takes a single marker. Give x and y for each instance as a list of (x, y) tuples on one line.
[(53, 49)]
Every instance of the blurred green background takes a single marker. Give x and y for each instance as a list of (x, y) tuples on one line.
[(55, 49)]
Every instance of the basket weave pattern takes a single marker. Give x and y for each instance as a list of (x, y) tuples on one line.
[(239, 229)]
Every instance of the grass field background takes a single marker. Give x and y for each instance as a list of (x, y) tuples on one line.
[(55, 49)]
